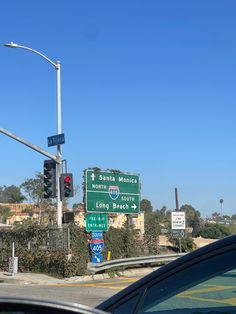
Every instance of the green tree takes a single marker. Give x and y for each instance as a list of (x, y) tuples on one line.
[(11, 194), (193, 219), (216, 216), (151, 235), (123, 242), (233, 217), (34, 189), (164, 217), (187, 244), (215, 231), (4, 213), (146, 206), (130, 236)]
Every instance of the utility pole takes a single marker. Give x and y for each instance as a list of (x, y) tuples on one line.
[(176, 199), (177, 209)]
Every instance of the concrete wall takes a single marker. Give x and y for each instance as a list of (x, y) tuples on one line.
[(200, 242)]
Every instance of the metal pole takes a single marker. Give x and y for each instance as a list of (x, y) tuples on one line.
[(176, 199), (68, 239), (13, 249), (57, 65), (177, 209), (59, 150)]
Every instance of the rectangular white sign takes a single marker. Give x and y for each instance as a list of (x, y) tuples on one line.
[(178, 220)]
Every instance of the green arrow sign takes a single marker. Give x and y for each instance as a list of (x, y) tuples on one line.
[(96, 222), (108, 192)]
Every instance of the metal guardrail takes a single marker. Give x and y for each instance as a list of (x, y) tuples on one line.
[(163, 258)]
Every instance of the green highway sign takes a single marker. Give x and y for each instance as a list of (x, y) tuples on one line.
[(96, 222), (108, 192)]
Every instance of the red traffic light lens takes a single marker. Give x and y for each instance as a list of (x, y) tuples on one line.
[(67, 179)]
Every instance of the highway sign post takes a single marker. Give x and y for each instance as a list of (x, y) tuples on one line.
[(110, 192)]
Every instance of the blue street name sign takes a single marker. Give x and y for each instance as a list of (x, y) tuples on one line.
[(97, 258), (97, 235), (97, 247), (56, 140)]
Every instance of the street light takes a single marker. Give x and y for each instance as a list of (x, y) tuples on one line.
[(57, 66)]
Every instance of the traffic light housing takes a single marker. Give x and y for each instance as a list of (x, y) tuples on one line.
[(67, 185), (49, 180), (68, 217)]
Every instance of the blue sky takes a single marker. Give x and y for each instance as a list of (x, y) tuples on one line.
[(147, 87)]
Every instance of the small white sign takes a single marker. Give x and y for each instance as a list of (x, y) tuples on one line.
[(178, 220)]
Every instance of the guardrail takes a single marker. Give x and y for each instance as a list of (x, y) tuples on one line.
[(163, 258)]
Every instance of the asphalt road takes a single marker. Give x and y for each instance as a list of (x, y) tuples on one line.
[(215, 294), (88, 293)]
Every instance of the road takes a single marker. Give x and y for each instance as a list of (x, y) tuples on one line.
[(88, 293), (214, 293)]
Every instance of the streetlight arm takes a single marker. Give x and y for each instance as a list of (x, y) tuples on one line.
[(13, 45)]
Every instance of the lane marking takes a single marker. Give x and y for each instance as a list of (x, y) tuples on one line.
[(215, 288), (110, 285), (90, 285), (189, 295)]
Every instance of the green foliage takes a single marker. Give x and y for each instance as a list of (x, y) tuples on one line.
[(232, 228), (215, 231), (4, 213), (187, 244), (80, 249), (145, 205), (164, 216), (33, 188), (11, 194), (152, 232), (131, 246), (122, 243), (114, 243), (192, 219), (39, 257)]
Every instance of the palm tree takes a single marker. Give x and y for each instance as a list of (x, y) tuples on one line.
[(221, 202)]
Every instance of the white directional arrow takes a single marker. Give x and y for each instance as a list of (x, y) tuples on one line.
[(97, 259), (93, 176), (134, 206)]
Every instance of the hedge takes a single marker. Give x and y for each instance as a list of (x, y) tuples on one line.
[(45, 250)]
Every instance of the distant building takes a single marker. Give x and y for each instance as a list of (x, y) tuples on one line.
[(115, 220), (18, 218), (18, 208)]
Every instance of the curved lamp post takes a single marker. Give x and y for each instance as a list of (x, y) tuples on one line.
[(57, 66)]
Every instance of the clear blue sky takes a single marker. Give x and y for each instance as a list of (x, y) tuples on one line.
[(148, 87)]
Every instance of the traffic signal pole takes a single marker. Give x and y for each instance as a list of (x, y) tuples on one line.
[(59, 147)]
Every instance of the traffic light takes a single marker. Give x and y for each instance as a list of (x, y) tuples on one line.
[(67, 185), (68, 217), (49, 181)]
